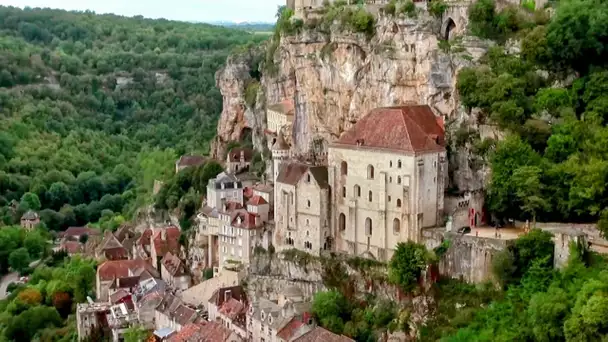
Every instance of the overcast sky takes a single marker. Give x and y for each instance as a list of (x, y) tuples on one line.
[(186, 10)]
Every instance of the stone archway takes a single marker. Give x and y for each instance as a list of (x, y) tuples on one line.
[(448, 29)]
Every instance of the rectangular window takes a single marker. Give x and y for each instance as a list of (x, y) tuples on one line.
[(240, 253), (240, 242), (232, 251)]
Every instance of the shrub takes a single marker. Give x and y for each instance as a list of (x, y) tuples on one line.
[(409, 9), (251, 93), (437, 8)]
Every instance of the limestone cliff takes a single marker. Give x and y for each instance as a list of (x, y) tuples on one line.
[(336, 77)]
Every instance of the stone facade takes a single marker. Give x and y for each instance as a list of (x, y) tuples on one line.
[(239, 159), (224, 188), (302, 197), (279, 115), (386, 192)]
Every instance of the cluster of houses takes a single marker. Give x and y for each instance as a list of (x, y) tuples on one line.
[(382, 182)]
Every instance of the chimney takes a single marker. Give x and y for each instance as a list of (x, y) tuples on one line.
[(242, 156), (227, 295)]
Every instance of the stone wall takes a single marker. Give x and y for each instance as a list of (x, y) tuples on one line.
[(469, 257), (269, 274)]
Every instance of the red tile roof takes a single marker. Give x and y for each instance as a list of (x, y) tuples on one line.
[(187, 160), (118, 295), (247, 220), (110, 270), (319, 334), (247, 192), (411, 129), (202, 332), (233, 308), (72, 247), (78, 231), (257, 200), (184, 315), (173, 264), (290, 329), (170, 243), (144, 240)]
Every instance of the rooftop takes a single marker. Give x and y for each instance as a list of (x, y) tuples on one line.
[(112, 269), (235, 154), (320, 334), (187, 160), (202, 332), (409, 129), (292, 173), (30, 215), (257, 200)]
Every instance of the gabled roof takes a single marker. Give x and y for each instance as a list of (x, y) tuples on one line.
[(280, 143), (202, 332), (170, 243), (285, 107), (78, 231), (247, 220), (184, 315), (144, 239), (118, 295), (187, 160), (233, 308), (320, 334), (410, 129), (71, 247), (30, 216), (109, 241), (291, 173), (290, 329), (235, 154), (113, 269), (257, 200)]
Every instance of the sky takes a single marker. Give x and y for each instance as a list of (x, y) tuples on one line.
[(185, 10)]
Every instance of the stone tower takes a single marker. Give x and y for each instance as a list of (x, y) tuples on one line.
[(280, 154)]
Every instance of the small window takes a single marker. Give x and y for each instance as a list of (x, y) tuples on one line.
[(308, 203), (343, 191), (368, 226), (369, 196), (399, 163), (399, 180), (370, 172), (435, 164), (343, 168), (399, 203), (307, 223), (390, 164), (308, 178), (342, 222), (357, 191), (390, 179), (307, 233), (389, 198), (396, 226)]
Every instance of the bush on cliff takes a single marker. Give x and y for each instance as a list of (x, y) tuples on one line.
[(406, 265)]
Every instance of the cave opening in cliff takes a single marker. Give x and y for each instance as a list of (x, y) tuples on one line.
[(449, 28), (246, 136)]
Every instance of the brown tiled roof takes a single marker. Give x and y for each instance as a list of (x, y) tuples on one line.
[(71, 247), (235, 154), (257, 200), (125, 282), (284, 107), (118, 295), (144, 239), (187, 160), (184, 315), (30, 216), (290, 329), (319, 334), (170, 243), (411, 129), (248, 220), (110, 270), (280, 143), (233, 308), (202, 332), (124, 232), (291, 173), (78, 231), (263, 187)]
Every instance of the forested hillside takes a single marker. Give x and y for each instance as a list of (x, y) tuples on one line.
[(95, 107)]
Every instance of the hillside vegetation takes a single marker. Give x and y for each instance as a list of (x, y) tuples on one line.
[(93, 108)]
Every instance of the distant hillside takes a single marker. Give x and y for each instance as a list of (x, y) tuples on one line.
[(247, 26)]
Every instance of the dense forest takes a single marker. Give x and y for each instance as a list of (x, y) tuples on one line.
[(95, 107)]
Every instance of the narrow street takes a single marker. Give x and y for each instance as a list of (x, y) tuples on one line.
[(11, 278)]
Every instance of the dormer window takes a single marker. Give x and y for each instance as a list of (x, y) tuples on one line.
[(308, 178), (251, 309), (263, 315)]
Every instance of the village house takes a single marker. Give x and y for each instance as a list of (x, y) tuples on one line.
[(199, 295), (228, 306), (278, 321), (111, 249), (173, 272), (187, 161), (308, 334), (210, 226), (75, 233), (239, 159), (71, 247), (30, 219), (279, 115), (113, 318), (110, 271), (147, 296), (164, 240), (173, 314), (388, 175), (266, 191), (224, 188), (302, 208)]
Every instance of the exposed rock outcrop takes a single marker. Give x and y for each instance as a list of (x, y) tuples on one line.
[(336, 77)]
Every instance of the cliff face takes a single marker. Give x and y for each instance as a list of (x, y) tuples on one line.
[(335, 78)]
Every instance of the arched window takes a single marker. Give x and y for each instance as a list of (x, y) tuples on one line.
[(343, 191), (357, 191), (370, 172), (399, 163), (399, 203), (399, 180), (389, 198), (308, 203), (308, 178), (369, 196), (390, 179), (343, 168), (342, 222), (390, 163), (396, 226), (368, 226)]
